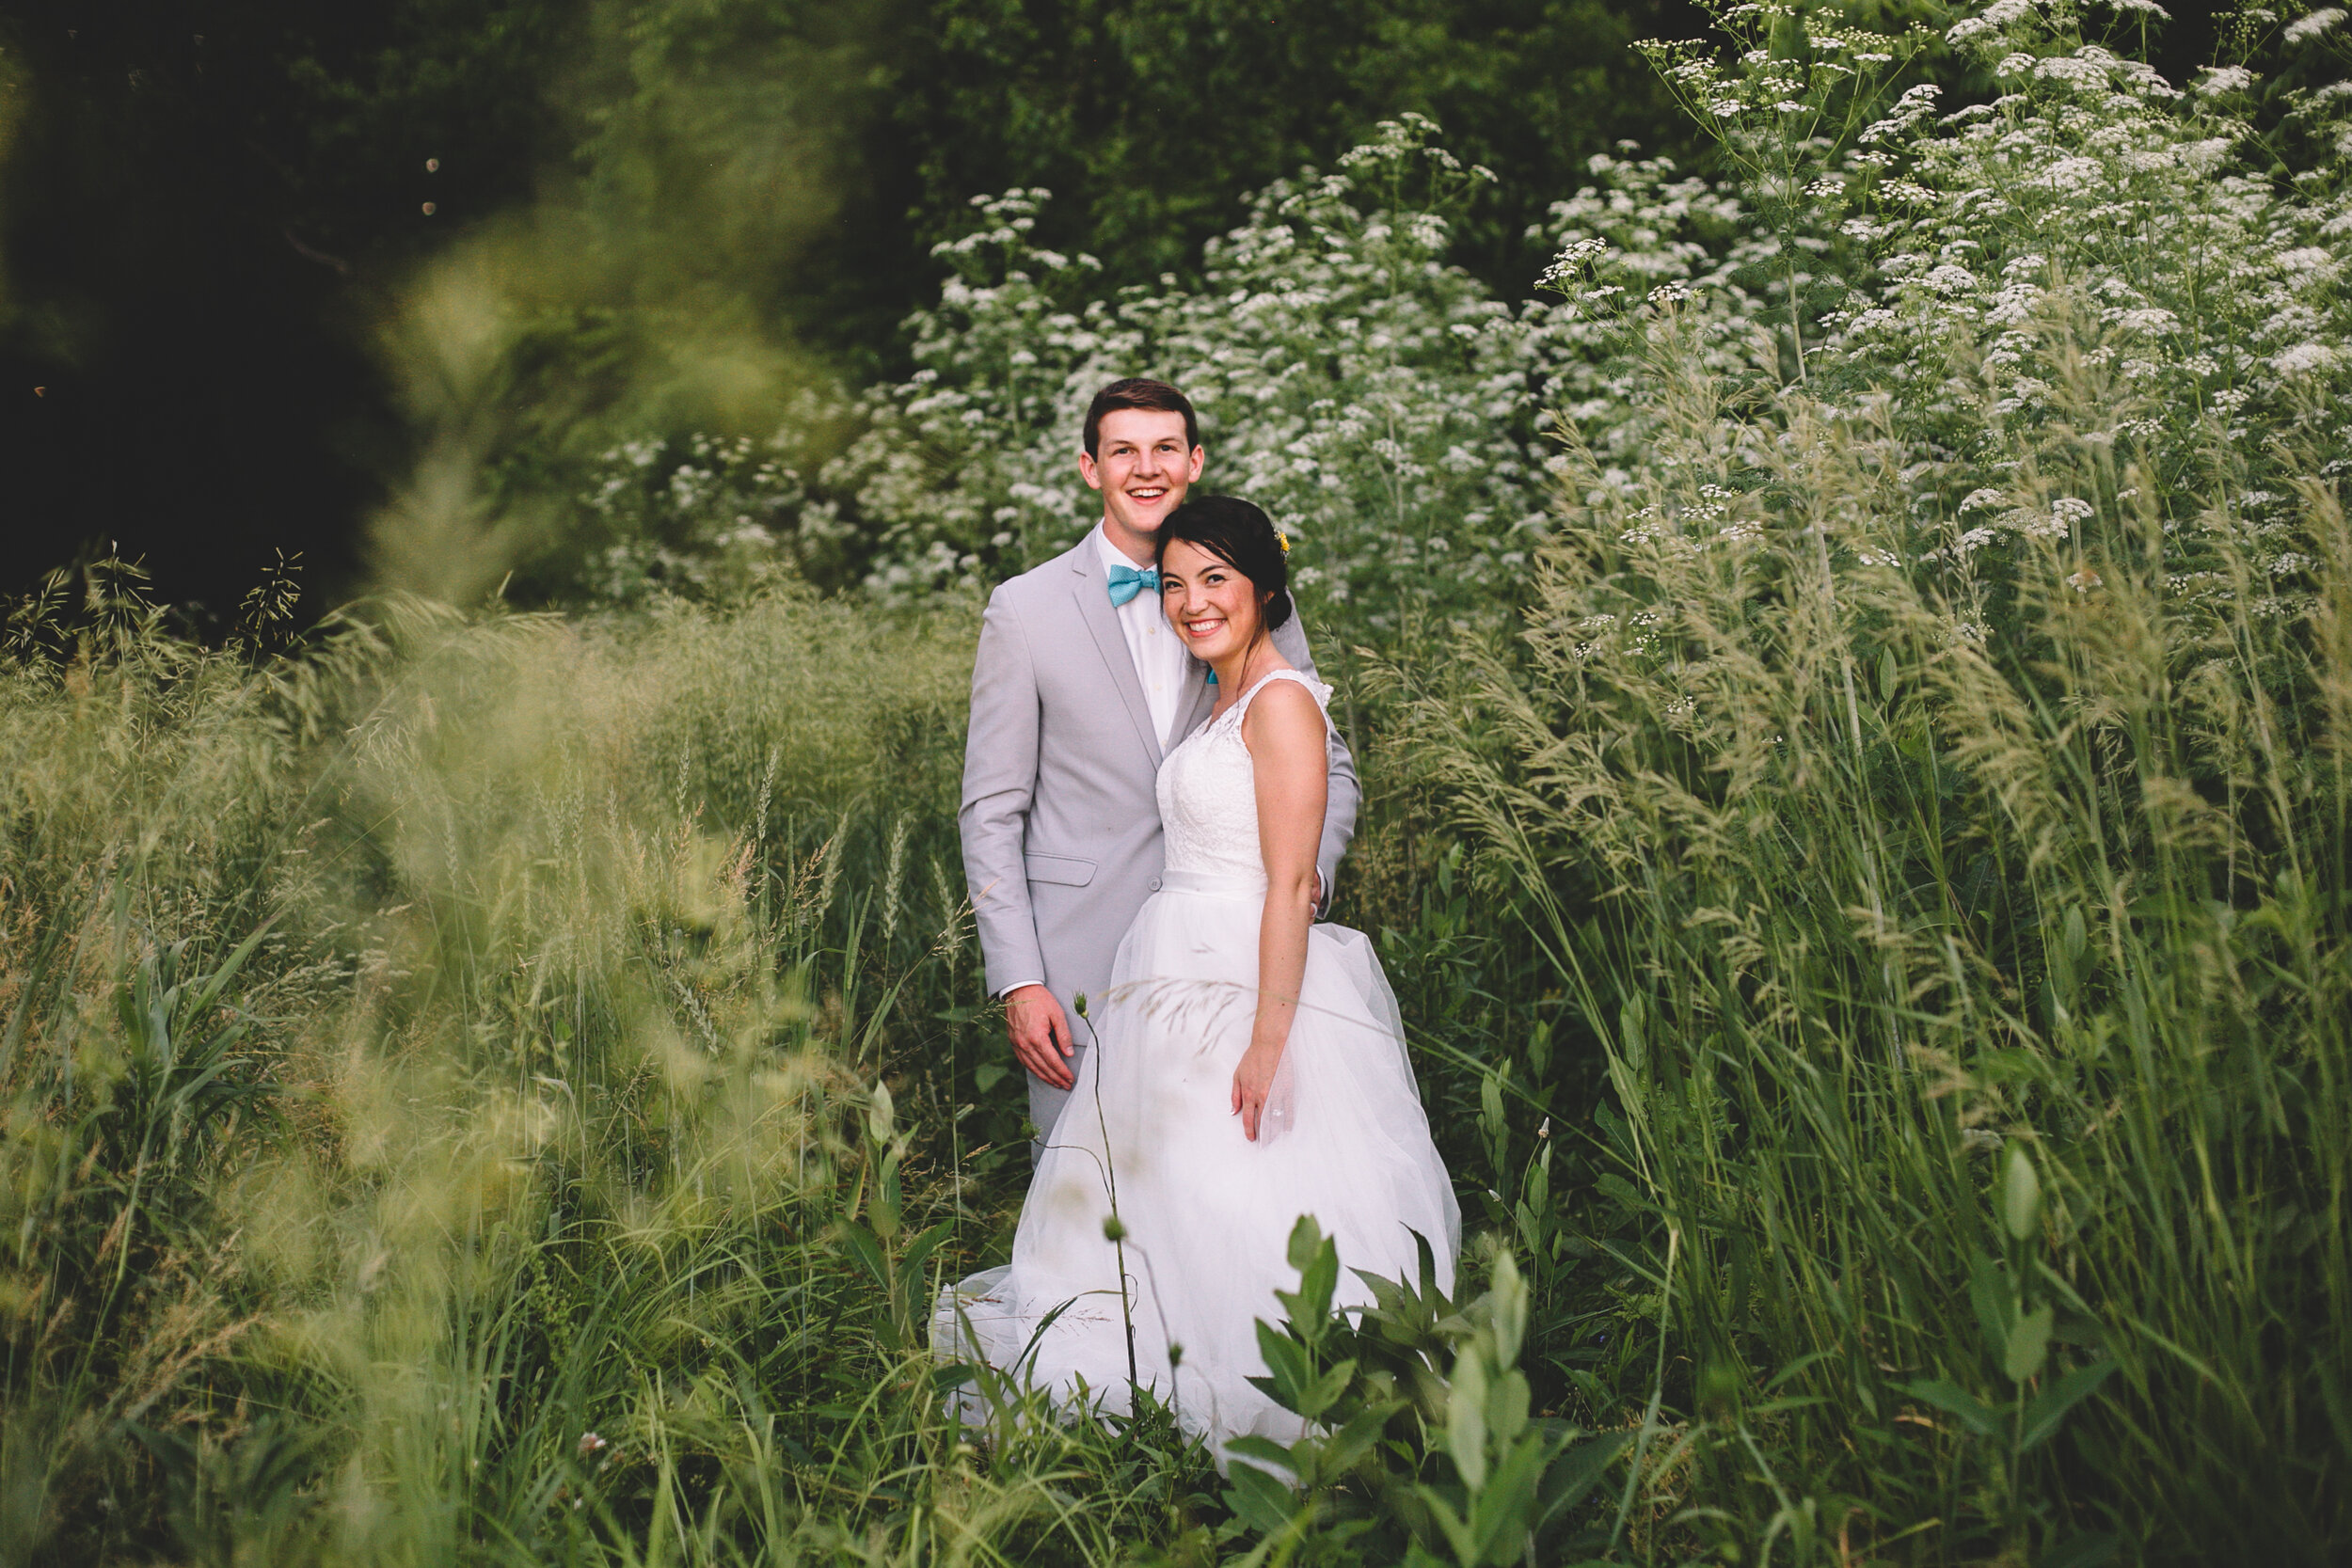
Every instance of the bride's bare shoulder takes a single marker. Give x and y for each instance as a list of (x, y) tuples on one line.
[(1283, 711)]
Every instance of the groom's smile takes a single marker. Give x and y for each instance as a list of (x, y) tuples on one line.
[(1143, 463)]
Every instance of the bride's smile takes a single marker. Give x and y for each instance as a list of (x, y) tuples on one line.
[(1213, 606)]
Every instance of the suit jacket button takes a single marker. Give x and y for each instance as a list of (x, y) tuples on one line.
[(1155, 885)]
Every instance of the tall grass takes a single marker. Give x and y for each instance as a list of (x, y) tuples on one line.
[(1969, 955), (464, 1081), (486, 1087)]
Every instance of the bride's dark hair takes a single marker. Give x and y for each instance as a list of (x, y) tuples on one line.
[(1237, 533)]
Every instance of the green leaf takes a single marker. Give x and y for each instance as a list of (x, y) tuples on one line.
[(2020, 1195), (1286, 1366), (1465, 1420), (2028, 1345), (1500, 1512), (2049, 1407), (1346, 1447), (1994, 1297), (1576, 1472), (1973, 1412), (919, 1250), (1507, 1404), (1264, 1448), (1324, 1393), (1450, 1523), (1259, 1500), (862, 1248), (1507, 1301), (1306, 1240)]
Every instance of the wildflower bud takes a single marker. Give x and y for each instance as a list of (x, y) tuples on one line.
[(1113, 1231), (1080, 1002)]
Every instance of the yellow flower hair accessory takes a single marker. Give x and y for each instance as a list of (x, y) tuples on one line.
[(1283, 539)]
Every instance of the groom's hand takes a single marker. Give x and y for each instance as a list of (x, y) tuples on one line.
[(1040, 1032)]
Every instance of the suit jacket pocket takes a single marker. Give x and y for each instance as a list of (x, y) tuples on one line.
[(1066, 869)]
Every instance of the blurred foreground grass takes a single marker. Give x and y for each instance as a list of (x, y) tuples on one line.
[(437, 1064)]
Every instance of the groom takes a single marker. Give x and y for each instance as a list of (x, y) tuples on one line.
[(1080, 689)]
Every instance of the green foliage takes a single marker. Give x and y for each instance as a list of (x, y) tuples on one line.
[(1144, 120), (1917, 780), (1399, 1461), (484, 1086)]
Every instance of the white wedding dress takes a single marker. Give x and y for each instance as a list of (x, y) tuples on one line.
[(1208, 1214)]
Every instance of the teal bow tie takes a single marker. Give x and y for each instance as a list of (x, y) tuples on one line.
[(1127, 581)]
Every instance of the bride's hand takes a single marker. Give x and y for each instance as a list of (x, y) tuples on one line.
[(1252, 1081)]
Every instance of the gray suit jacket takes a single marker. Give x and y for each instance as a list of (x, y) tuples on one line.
[(1060, 818)]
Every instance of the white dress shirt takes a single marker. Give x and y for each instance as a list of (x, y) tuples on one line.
[(1162, 664)]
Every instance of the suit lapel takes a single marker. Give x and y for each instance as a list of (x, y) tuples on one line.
[(1091, 589)]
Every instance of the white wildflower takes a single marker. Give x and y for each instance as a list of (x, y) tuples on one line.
[(2312, 26), (2308, 359), (2073, 175), (2221, 79)]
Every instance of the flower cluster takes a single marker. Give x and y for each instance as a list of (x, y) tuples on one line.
[(1377, 402)]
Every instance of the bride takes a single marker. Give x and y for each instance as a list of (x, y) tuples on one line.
[(1249, 1067)]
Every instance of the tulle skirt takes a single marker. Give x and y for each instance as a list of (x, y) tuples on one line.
[(1207, 1214)]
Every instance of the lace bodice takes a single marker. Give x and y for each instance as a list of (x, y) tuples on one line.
[(1208, 791)]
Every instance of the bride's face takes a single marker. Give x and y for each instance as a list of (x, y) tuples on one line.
[(1210, 601)]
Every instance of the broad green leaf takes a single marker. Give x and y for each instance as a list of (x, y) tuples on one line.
[(1507, 1297), (862, 1246), (1306, 1240), (1343, 1448), (1265, 1448), (1455, 1530), (1320, 1395), (1465, 1420), (1973, 1412), (1576, 1472), (1286, 1361), (1994, 1294), (2028, 1345), (2048, 1410), (1259, 1500), (1506, 1407), (2020, 1195), (1501, 1513)]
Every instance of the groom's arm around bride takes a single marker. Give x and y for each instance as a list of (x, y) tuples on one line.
[(1078, 691)]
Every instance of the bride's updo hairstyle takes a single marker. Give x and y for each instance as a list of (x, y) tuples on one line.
[(1237, 533)]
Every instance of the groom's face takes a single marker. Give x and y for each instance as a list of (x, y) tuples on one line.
[(1142, 464)]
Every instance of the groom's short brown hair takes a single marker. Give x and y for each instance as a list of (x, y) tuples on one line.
[(1157, 397)]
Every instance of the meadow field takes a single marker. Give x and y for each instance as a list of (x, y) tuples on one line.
[(1853, 681)]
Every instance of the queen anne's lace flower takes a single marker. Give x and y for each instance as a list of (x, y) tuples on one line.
[(2304, 29)]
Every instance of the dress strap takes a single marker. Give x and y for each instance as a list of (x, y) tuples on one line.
[(1315, 688)]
